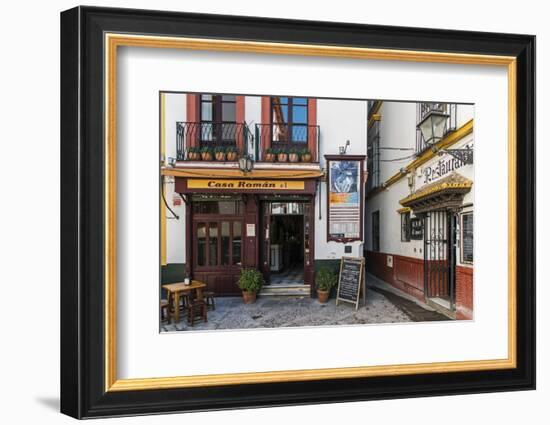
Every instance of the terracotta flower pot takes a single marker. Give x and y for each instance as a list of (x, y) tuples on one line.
[(270, 157), (322, 296), (231, 156), (306, 157), (220, 156), (293, 157), (282, 157), (206, 156), (249, 297)]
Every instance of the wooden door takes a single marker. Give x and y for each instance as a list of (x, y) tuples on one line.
[(218, 253)]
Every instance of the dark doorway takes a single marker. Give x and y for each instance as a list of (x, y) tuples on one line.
[(284, 242), (440, 257), (287, 249)]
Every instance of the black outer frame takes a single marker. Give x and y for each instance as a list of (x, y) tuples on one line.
[(82, 205)]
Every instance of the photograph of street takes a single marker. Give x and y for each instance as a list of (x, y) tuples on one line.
[(281, 212)]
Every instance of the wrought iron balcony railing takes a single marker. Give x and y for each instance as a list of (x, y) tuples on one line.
[(286, 136), (423, 109), (212, 134), (238, 135)]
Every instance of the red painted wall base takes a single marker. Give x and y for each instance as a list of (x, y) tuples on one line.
[(407, 274)]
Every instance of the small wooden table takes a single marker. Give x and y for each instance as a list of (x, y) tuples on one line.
[(174, 293)]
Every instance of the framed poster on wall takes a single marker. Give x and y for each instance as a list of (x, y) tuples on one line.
[(345, 197)]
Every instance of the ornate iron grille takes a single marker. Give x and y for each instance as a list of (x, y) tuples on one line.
[(211, 134), (286, 136), (440, 255)]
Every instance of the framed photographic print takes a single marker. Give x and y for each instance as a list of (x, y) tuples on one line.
[(225, 180)]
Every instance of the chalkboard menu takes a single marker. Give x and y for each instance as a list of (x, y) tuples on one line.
[(468, 238), (350, 280), (417, 229)]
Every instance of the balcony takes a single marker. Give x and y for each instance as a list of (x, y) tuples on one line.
[(209, 136), (286, 137), (424, 109), (212, 135)]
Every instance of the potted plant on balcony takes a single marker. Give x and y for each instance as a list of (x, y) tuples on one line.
[(231, 153), (294, 154), (219, 153), (305, 155), (325, 279), (250, 282), (206, 153), (193, 153), (282, 155), (270, 154)]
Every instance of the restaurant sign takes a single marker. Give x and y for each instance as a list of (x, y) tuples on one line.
[(444, 166), (224, 184)]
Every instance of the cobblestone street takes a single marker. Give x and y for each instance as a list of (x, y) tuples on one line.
[(384, 305)]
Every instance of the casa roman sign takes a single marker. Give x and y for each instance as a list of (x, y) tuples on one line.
[(245, 184)]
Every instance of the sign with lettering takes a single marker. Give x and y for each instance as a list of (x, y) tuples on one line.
[(467, 238), (344, 200), (245, 184), (417, 229), (443, 167), (351, 281)]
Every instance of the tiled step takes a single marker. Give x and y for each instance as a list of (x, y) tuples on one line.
[(288, 290)]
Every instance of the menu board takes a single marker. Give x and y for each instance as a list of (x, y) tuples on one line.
[(344, 203), (351, 280), (417, 229), (468, 238)]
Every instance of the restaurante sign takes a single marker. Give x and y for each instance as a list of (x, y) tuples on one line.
[(443, 167), (245, 184)]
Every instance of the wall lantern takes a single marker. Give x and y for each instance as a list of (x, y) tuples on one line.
[(344, 149), (246, 164), (434, 124)]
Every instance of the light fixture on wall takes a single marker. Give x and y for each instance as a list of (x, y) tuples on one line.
[(246, 164), (343, 149), (434, 124), (410, 180)]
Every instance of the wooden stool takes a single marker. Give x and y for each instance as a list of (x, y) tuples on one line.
[(196, 309), (209, 298), (164, 310)]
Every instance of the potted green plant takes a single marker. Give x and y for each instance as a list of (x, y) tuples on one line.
[(305, 155), (250, 282), (231, 153), (270, 154), (193, 153), (219, 153), (325, 279), (282, 155), (294, 154), (206, 153)]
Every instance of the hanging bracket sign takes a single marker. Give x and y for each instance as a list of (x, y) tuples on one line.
[(351, 281)]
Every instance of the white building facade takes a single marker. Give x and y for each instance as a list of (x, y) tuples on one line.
[(218, 217), (420, 203)]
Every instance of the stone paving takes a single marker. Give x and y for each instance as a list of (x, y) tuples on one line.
[(276, 312)]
